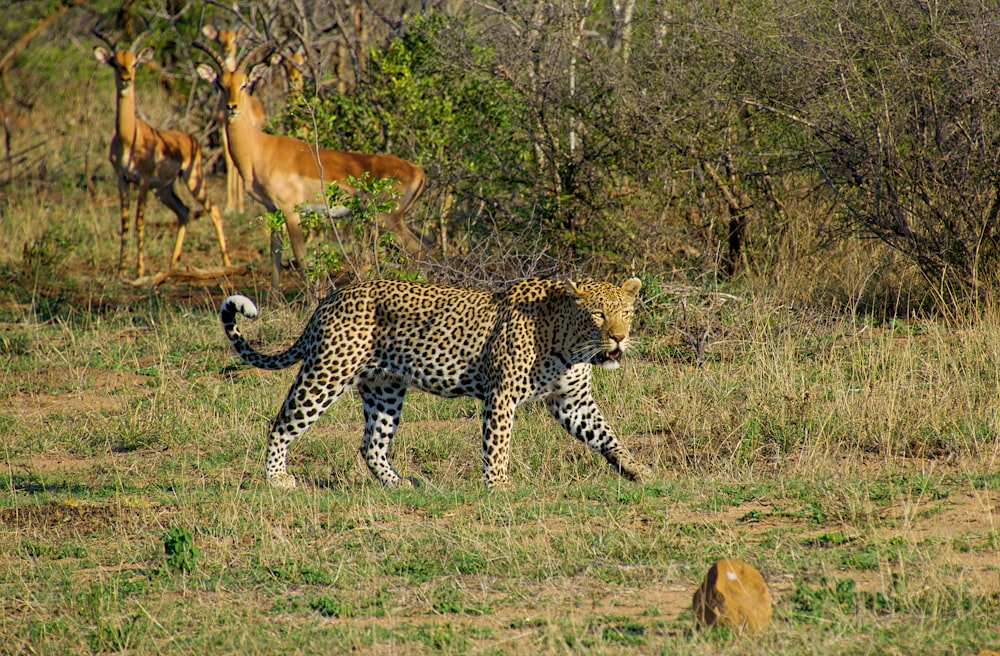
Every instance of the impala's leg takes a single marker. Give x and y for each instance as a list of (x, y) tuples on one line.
[(140, 232), (169, 197), (196, 185), (240, 191), (219, 234), (126, 220), (296, 237), (232, 175), (276, 248), (213, 212), (395, 220)]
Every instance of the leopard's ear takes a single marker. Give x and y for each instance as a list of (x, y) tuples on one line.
[(572, 290), (632, 287)]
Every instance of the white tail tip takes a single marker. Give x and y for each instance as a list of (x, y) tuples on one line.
[(243, 305)]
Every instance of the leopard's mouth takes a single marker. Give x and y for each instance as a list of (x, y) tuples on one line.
[(604, 358)]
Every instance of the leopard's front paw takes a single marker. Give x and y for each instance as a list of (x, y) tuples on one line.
[(498, 482), (403, 481), (636, 471), (283, 480)]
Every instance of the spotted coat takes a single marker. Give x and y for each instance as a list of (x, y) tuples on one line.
[(537, 340)]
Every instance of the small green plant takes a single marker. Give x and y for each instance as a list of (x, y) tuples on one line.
[(345, 217), (45, 252), (341, 608), (448, 599), (625, 632), (100, 603), (810, 602), (330, 607), (111, 636), (181, 551)]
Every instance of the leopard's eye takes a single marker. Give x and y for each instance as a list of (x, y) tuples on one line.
[(598, 315)]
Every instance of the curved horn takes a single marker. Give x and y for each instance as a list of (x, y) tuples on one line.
[(201, 20), (256, 55), (216, 57), (142, 36), (96, 31)]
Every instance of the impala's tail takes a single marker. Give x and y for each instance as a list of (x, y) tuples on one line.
[(250, 355)]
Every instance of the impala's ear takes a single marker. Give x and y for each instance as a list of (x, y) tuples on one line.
[(207, 73), (242, 32), (210, 31), (632, 287), (145, 55), (102, 55), (256, 73)]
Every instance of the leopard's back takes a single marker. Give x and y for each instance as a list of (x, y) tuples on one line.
[(434, 337)]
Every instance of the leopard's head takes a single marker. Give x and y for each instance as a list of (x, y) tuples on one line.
[(604, 319)]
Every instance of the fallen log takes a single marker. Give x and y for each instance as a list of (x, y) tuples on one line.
[(190, 273)]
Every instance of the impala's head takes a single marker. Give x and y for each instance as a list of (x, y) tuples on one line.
[(227, 40), (293, 63), (123, 61), (234, 82), (234, 85)]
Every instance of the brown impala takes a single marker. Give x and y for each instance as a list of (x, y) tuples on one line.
[(151, 159), (228, 40), (282, 172)]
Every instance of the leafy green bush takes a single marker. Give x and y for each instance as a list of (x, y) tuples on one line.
[(181, 551), (348, 223)]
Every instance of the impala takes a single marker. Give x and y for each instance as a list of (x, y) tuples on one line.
[(293, 63), (282, 172), (227, 40), (151, 159)]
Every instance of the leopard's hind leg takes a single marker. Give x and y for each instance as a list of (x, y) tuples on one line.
[(310, 395)]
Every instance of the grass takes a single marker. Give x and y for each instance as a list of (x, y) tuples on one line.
[(853, 460), (853, 464)]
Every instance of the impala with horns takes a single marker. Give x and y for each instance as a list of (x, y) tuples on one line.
[(283, 172), (294, 62), (151, 159), (228, 40)]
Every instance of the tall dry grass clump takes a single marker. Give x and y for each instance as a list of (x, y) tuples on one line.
[(777, 383)]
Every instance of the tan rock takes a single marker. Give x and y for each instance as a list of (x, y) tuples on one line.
[(733, 594)]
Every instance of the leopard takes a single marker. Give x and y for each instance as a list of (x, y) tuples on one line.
[(538, 339)]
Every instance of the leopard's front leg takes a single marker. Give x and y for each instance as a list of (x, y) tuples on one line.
[(498, 422), (579, 415), (306, 401)]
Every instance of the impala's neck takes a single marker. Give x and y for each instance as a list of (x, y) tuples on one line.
[(243, 141), (126, 121)]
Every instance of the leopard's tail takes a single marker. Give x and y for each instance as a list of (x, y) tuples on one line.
[(243, 305)]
